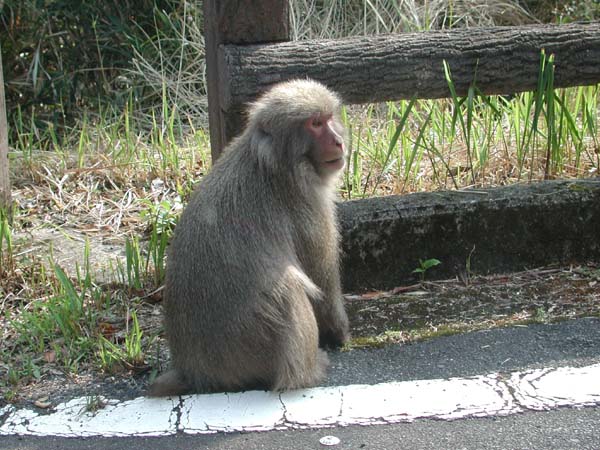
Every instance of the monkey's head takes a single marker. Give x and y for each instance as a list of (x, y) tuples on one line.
[(298, 124)]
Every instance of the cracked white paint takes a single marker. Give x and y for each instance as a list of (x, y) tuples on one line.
[(141, 416), (444, 399), (319, 407), (550, 388), (251, 411), (313, 407)]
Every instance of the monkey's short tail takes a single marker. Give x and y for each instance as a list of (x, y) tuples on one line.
[(169, 384)]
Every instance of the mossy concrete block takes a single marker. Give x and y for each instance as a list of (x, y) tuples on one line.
[(493, 230)]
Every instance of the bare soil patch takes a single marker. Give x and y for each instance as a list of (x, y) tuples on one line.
[(441, 307)]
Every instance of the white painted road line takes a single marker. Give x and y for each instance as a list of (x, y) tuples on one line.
[(551, 388), (481, 396)]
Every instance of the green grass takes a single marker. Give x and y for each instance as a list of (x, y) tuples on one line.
[(7, 262), (477, 140), (50, 319), (130, 355)]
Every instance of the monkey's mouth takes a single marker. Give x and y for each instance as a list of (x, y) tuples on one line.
[(335, 163)]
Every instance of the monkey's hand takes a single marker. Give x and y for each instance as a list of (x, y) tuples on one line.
[(331, 339), (336, 335)]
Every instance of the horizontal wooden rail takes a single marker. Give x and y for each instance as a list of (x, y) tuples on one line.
[(502, 60)]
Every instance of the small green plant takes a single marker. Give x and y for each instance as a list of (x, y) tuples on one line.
[(133, 262), (425, 265), (93, 404), (468, 274), (161, 218), (148, 265), (540, 315), (109, 355), (7, 263), (133, 343), (113, 356)]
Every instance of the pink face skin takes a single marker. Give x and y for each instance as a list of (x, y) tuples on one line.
[(329, 143)]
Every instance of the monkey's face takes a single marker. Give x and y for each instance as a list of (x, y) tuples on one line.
[(328, 151)]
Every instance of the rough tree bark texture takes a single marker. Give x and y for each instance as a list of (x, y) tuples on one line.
[(503, 60), (236, 22), (5, 197)]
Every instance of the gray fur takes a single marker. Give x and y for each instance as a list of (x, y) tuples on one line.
[(252, 284)]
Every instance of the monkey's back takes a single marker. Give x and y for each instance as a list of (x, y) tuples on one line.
[(230, 278)]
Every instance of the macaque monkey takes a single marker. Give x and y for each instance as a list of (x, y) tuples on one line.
[(252, 284)]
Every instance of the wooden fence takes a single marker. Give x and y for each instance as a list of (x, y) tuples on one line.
[(248, 48)]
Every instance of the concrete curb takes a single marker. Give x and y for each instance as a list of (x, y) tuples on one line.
[(455, 398), (497, 230)]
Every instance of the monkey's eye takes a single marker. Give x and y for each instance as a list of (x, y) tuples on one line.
[(317, 123)]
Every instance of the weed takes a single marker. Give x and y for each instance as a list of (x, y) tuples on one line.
[(7, 262), (93, 404), (540, 315), (424, 266), (133, 262), (113, 357)]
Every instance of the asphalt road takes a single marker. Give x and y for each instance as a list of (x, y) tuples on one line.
[(562, 429), (571, 343)]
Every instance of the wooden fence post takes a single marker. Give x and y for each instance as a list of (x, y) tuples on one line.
[(236, 22), (5, 196)]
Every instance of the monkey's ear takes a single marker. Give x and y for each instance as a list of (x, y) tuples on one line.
[(262, 143)]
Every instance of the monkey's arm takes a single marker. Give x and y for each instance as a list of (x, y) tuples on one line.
[(331, 315)]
